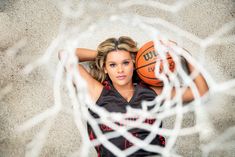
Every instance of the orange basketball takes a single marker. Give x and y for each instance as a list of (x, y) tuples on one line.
[(146, 59)]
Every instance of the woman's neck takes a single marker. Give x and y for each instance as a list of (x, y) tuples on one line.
[(126, 91), (128, 86)]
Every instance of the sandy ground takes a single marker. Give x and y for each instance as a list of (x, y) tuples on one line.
[(32, 26)]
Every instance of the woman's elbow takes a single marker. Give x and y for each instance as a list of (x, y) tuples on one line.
[(204, 91)]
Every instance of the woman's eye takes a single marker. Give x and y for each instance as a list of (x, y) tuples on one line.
[(126, 63), (112, 65)]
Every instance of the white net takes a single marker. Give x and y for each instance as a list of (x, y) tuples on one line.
[(163, 106)]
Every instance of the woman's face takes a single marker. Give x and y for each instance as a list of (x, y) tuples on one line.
[(119, 66)]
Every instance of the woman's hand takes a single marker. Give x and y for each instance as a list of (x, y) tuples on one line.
[(63, 58)]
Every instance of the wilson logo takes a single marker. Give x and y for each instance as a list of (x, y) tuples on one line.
[(149, 55)]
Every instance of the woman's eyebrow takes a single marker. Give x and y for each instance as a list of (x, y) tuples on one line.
[(121, 61), (111, 62)]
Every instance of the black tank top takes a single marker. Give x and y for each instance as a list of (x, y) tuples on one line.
[(112, 101)]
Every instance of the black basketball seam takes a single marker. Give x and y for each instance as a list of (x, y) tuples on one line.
[(145, 65), (148, 77), (149, 64)]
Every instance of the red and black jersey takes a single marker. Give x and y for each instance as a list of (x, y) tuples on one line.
[(112, 101)]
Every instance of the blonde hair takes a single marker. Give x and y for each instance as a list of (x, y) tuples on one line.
[(110, 44)]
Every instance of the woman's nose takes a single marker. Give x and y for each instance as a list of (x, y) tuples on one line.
[(120, 68)]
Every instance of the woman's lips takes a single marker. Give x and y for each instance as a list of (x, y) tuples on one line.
[(121, 77)]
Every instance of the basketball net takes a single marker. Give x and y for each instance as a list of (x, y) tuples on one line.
[(162, 107)]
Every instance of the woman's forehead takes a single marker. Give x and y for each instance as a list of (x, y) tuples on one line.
[(118, 55)]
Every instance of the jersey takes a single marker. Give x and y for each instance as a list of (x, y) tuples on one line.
[(112, 101)]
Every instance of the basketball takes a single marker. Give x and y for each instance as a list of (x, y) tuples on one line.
[(146, 59)]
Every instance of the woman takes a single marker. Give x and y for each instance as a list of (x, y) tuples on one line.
[(112, 85)]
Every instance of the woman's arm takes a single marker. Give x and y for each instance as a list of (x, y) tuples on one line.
[(86, 54), (188, 96), (94, 86), (200, 83)]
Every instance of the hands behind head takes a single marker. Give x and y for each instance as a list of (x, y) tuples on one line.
[(64, 59)]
